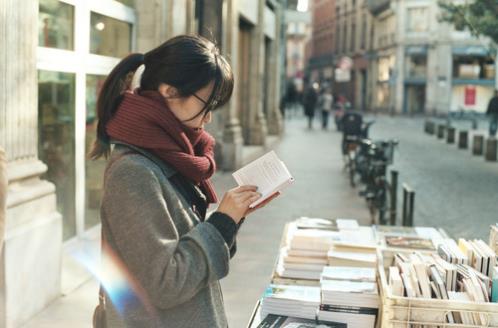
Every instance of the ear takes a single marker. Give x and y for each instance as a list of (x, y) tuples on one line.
[(167, 91)]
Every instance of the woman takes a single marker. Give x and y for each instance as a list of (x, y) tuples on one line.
[(157, 189)]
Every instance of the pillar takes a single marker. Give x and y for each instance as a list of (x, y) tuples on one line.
[(30, 264), (275, 124), (257, 120), (232, 133)]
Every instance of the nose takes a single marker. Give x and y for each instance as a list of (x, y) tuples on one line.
[(208, 117)]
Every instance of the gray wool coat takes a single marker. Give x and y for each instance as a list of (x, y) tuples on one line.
[(174, 258)]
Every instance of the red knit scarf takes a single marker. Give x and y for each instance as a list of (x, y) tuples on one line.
[(143, 119)]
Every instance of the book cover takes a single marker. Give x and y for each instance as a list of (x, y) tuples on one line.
[(279, 321)]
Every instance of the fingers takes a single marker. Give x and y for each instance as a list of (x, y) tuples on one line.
[(268, 200), (244, 189), (253, 197), (246, 196)]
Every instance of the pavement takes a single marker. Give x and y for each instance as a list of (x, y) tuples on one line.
[(320, 189), (453, 189)]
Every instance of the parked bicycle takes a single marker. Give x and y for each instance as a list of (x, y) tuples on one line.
[(377, 187), (369, 161), (355, 130)]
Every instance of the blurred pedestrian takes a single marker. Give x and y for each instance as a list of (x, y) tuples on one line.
[(310, 99), (492, 112), (291, 99), (325, 103), (3, 194), (157, 189)]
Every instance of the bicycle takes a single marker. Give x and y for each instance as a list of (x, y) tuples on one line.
[(379, 157)]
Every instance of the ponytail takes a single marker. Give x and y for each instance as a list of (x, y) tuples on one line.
[(110, 96)]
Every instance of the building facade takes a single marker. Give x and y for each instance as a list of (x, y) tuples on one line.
[(298, 35), (323, 43), (354, 44), (423, 65), (47, 125)]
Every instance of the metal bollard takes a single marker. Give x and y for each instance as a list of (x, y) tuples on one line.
[(440, 131), (450, 136), (491, 149), (408, 206), (478, 145), (394, 197), (463, 140), (429, 127)]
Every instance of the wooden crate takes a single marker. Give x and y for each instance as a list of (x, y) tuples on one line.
[(407, 312)]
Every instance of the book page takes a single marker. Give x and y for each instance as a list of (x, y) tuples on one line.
[(268, 173)]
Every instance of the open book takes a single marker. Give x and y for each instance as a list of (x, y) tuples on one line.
[(268, 173)]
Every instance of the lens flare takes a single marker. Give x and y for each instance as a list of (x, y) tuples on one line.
[(120, 286)]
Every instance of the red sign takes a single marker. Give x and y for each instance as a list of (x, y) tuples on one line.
[(470, 95)]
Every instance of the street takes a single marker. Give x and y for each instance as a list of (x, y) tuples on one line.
[(454, 189)]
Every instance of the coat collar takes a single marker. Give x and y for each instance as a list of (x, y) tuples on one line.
[(168, 170)]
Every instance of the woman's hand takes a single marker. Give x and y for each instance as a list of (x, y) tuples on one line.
[(264, 203), (235, 202)]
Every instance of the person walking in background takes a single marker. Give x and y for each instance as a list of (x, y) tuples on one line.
[(310, 100), (156, 234), (326, 101), (291, 101), (3, 194), (492, 112)]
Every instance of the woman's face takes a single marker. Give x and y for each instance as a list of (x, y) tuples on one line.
[(186, 108)]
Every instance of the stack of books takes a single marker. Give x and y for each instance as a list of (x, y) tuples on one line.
[(291, 300), (349, 295), (479, 255), (306, 253), (447, 275), (352, 255), (316, 223)]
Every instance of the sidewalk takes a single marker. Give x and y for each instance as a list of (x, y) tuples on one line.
[(321, 189)]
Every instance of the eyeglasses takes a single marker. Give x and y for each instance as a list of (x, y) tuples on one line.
[(212, 105)]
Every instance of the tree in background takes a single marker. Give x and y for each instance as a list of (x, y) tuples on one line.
[(480, 17)]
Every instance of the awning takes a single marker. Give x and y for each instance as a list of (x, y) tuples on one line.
[(480, 51), (416, 50)]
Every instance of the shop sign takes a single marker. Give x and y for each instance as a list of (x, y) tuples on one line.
[(342, 75), (470, 95)]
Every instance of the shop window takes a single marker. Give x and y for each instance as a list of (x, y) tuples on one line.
[(56, 25), (109, 36), (473, 67), (94, 170), (417, 19), (56, 147), (416, 66)]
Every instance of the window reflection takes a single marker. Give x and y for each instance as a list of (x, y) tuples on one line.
[(56, 147), (109, 36), (56, 25), (94, 169)]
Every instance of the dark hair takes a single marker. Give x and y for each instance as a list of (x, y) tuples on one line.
[(187, 63)]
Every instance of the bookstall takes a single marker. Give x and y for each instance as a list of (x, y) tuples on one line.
[(335, 273)]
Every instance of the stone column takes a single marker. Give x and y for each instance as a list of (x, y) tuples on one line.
[(257, 121), (232, 133), (275, 124), (153, 23), (30, 265)]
